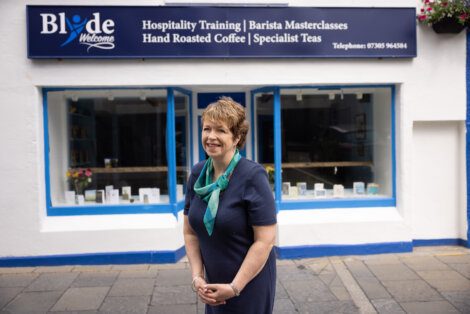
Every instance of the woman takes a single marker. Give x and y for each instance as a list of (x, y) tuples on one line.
[(230, 219)]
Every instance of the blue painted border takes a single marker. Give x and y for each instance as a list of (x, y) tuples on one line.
[(149, 257), (438, 242), (277, 149), (393, 143), (307, 251), (467, 128), (173, 207), (46, 149), (253, 125), (160, 257), (337, 203), (327, 203), (171, 147), (190, 111)]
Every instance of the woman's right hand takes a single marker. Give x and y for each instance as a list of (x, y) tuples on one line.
[(199, 284)]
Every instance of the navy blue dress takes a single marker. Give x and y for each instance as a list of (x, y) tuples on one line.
[(247, 202)]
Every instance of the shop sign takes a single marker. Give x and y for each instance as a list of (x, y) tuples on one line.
[(220, 32)]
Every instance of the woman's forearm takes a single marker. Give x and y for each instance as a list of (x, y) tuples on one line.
[(193, 252), (252, 264)]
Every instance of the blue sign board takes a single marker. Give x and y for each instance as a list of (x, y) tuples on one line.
[(219, 32)]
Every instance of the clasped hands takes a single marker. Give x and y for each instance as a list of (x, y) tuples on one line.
[(213, 294)]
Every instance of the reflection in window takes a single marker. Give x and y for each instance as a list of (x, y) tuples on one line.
[(120, 138), (334, 144)]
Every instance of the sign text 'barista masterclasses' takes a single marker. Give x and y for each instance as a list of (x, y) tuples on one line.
[(243, 32)]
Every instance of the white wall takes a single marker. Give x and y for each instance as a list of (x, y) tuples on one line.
[(434, 78), (437, 181)]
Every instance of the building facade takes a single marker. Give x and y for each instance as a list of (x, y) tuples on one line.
[(365, 154)]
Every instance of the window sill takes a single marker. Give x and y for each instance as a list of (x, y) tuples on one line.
[(107, 209), (336, 203)]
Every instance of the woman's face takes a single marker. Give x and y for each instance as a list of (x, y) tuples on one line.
[(217, 139)]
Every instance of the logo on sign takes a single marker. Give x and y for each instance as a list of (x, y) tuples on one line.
[(91, 32)]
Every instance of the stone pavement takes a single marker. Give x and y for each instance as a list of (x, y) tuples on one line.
[(428, 280)]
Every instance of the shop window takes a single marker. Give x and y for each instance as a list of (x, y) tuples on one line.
[(335, 144), (182, 142), (117, 138)]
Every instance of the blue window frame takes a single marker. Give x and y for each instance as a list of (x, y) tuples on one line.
[(284, 108), (75, 119)]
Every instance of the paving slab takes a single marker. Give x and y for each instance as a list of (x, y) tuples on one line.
[(54, 269), (463, 269), (173, 295), (174, 277), (7, 294), (124, 305), (52, 281), (311, 261), (460, 299), (454, 258), (381, 259), (151, 273), (412, 290), (17, 280), (132, 287), (293, 273), (16, 270), (81, 299), (440, 275), (201, 307), (284, 306), (424, 263), (96, 279), (281, 292), (373, 288), (437, 307), (285, 262), (308, 291), (341, 293), (358, 268), (387, 306), (357, 295), (173, 309), (131, 267), (169, 266), (446, 280), (393, 272), (318, 267), (92, 268), (337, 307), (33, 302)]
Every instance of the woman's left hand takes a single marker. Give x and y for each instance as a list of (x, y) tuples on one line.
[(219, 292)]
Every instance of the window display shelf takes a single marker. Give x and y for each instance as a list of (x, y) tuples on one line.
[(287, 165), (134, 169), (164, 199)]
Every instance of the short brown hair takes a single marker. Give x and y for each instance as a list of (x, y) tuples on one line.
[(230, 112)]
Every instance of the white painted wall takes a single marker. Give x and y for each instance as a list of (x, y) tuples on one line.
[(425, 83), (437, 181)]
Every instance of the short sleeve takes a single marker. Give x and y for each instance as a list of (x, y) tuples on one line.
[(189, 193), (259, 199)]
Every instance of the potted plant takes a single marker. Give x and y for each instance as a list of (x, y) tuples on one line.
[(79, 178), (445, 16), (270, 170)]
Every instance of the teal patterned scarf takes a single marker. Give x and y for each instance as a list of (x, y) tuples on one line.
[(210, 191)]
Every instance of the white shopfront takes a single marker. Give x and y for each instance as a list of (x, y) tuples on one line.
[(367, 155)]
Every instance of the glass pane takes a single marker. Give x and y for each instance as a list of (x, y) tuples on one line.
[(182, 128), (118, 136), (264, 130), (336, 144)]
